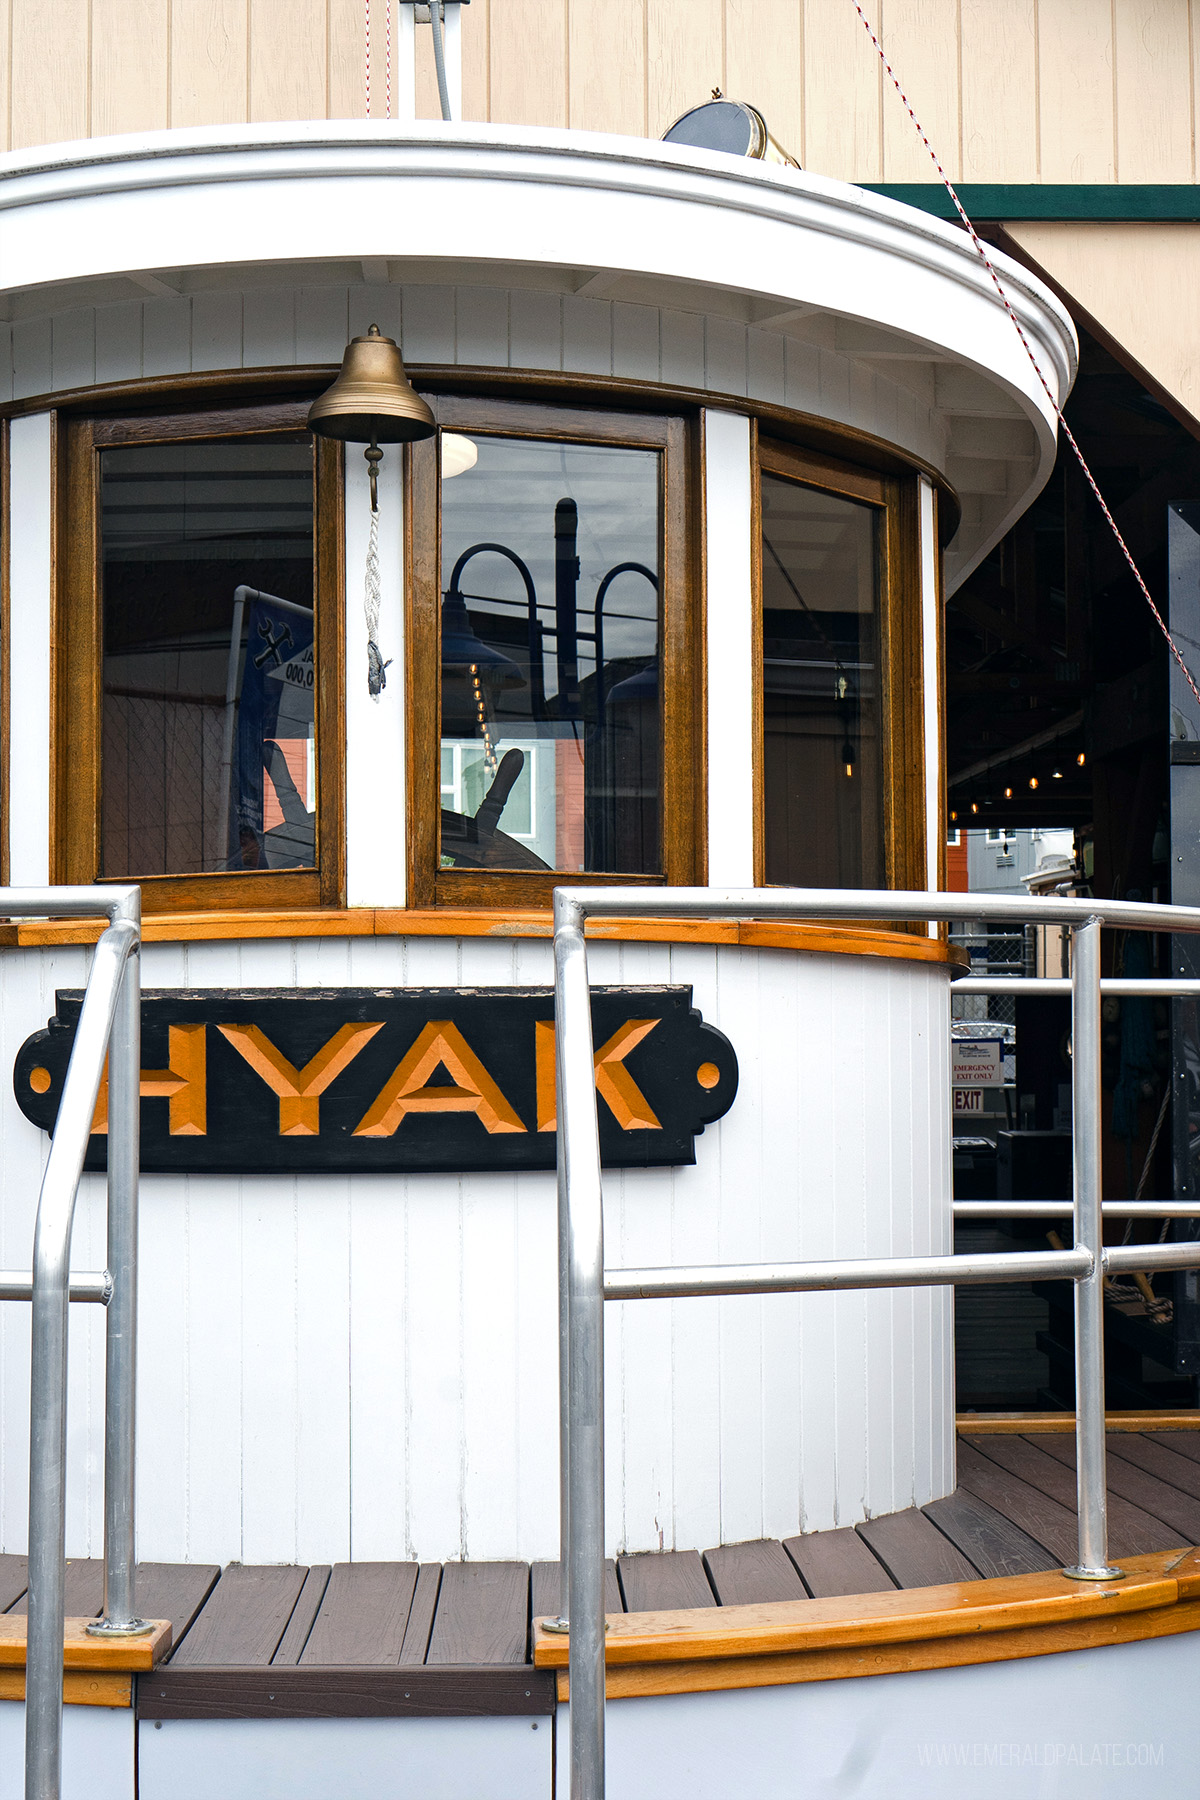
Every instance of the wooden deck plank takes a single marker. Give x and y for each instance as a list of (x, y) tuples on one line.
[(544, 1584), (363, 1615), (14, 1579), (664, 1581), (1132, 1532), (83, 1589), (1176, 1509), (1184, 1443), (913, 1550), (482, 1614), (245, 1618), (743, 1574), (291, 1644), (1158, 1459), (837, 1562), (420, 1615), (992, 1543), (361, 1693), (174, 1591), (1045, 1517)]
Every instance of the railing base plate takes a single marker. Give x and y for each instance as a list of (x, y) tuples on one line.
[(1075, 1574)]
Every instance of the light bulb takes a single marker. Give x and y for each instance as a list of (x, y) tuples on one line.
[(458, 454)]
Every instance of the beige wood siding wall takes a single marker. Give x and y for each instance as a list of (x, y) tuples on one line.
[(1010, 90)]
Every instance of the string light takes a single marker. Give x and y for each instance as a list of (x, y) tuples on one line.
[(1033, 782), (1081, 759), (489, 751)]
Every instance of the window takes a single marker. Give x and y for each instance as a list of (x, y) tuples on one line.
[(200, 672), (839, 667), (551, 712)]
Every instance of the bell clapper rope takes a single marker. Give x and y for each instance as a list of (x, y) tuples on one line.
[(376, 667)]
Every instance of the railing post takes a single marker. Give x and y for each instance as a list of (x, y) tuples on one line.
[(48, 1363), (1092, 1564), (579, 1175), (124, 1081)]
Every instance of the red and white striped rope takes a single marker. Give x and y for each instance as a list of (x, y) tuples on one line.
[(367, 58), (1029, 351), (387, 57)]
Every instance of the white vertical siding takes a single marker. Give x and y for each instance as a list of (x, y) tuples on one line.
[(367, 1368), (29, 639), (729, 605), (475, 326), (376, 823)]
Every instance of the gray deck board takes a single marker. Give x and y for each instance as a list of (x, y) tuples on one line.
[(1012, 1513)]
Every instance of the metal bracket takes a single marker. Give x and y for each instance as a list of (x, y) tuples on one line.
[(421, 12)]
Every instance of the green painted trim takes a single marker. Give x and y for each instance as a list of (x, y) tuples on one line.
[(1063, 202)]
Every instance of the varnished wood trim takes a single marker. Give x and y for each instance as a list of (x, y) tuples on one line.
[(897, 1616), (79, 1688), (82, 1652), (236, 384), (5, 649), (77, 659), (899, 621), (468, 922), (698, 547), (940, 1627), (904, 713), (759, 450), (1026, 1423), (643, 1680), (422, 668), (680, 656), (831, 474)]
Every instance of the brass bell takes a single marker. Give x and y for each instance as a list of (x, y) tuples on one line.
[(372, 401)]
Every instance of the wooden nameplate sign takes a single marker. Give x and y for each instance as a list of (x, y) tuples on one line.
[(393, 1079)]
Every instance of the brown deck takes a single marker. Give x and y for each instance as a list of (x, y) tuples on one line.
[(370, 1639)]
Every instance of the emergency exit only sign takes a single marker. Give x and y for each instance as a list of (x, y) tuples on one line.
[(974, 1065)]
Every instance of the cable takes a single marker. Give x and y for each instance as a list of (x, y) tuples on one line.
[(439, 59), (1037, 368)]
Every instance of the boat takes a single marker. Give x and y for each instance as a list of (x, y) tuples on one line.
[(639, 603)]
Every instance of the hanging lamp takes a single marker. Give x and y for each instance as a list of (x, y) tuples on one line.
[(372, 402)]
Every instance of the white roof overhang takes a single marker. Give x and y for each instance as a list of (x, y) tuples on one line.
[(889, 292)]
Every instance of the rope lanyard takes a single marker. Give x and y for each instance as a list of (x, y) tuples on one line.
[(387, 57), (1029, 351)]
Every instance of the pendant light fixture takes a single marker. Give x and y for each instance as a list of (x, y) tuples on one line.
[(372, 402)]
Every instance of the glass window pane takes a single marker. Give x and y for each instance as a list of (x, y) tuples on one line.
[(550, 658), (209, 756), (822, 770)]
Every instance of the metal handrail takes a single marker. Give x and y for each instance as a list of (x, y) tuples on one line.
[(109, 1025), (585, 1285)]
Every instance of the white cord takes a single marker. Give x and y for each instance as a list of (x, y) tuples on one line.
[(376, 667)]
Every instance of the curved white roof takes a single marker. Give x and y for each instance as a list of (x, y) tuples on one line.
[(910, 339)]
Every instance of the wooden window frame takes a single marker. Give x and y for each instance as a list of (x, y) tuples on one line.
[(78, 662), (681, 764), (901, 711)]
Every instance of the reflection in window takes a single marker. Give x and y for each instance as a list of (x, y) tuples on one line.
[(550, 658), (822, 776), (209, 754)]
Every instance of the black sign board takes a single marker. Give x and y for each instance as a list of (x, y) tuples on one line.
[(393, 1079)]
